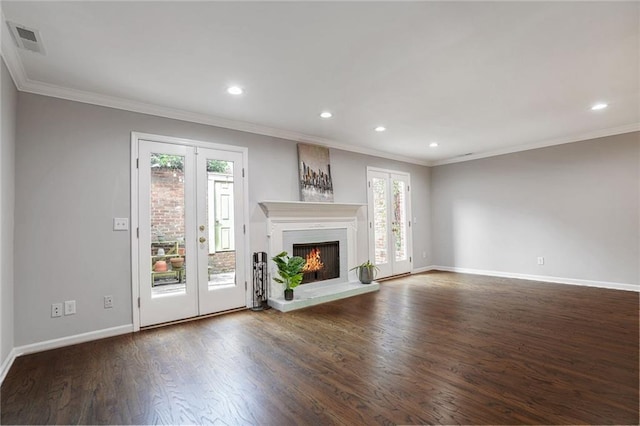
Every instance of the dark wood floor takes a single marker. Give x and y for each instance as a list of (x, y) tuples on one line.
[(437, 348)]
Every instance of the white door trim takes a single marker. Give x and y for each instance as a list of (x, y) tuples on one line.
[(135, 140), (390, 171), (370, 234)]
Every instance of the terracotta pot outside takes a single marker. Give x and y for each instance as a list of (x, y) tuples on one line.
[(160, 266), (176, 262)]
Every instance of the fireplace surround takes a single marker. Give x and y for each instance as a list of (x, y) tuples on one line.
[(301, 240), (294, 222)]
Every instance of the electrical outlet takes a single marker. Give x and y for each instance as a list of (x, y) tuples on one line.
[(120, 224), (108, 302), (424, 254), (540, 260), (70, 307), (56, 310)]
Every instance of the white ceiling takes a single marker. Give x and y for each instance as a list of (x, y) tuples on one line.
[(477, 77)]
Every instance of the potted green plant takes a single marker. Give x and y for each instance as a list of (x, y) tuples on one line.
[(290, 271), (366, 271)]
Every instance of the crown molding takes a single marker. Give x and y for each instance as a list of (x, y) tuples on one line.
[(23, 83), (55, 91), (634, 127)]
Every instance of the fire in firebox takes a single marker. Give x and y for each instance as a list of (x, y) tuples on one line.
[(323, 260), (314, 263)]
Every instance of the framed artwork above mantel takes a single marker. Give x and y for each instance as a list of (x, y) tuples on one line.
[(315, 173)]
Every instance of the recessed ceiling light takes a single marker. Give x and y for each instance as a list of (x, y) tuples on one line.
[(380, 129), (235, 90), (433, 144), (599, 106), (326, 114)]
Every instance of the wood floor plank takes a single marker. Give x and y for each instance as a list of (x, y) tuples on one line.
[(434, 348)]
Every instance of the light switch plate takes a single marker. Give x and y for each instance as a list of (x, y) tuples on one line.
[(70, 307)]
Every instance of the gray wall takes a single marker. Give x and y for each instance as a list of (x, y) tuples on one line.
[(73, 177), (574, 204), (350, 169), (8, 107)]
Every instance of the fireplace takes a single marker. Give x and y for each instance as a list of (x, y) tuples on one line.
[(323, 260), (296, 225)]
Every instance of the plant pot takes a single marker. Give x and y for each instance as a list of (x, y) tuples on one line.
[(288, 294), (177, 262), (160, 266), (366, 275)]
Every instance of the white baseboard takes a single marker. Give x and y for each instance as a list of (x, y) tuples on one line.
[(6, 364), (60, 342), (73, 340), (543, 278), (423, 269)]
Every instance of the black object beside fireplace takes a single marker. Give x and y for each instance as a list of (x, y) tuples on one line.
[(323, 260)]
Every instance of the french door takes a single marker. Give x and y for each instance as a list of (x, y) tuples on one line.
[(389, 221), (190, 214)]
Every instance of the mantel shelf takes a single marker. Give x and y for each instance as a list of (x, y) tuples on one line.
[(276, 209)]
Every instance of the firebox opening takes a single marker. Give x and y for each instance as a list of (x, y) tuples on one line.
[(323, 260)]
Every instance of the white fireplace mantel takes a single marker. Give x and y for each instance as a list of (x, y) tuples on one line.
[(291, 216), (282, 209)]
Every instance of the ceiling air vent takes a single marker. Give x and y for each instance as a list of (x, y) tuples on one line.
[(26, 38)]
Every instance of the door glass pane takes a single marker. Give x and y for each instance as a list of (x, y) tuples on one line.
[(167, 251), (222, 255), (399, 226), (380, 220)]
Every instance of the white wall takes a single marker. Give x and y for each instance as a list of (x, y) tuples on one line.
[(72, 178), (8, 103), (575, 204)]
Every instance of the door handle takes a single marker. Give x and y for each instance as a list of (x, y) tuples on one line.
[(203, 240)]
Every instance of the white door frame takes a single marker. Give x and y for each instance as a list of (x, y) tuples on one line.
[(181, 304), (371, 237), (135, 139)]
